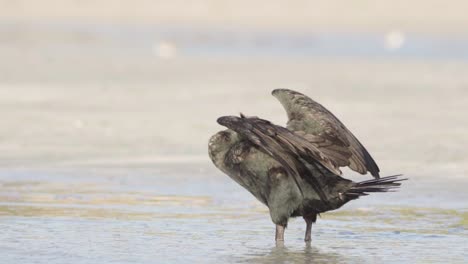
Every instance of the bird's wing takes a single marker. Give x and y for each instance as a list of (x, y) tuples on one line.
[(292, 151), (321, 128)]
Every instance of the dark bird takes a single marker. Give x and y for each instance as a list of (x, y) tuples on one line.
[(295, 171)]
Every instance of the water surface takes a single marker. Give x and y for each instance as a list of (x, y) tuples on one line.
[(196, 214)]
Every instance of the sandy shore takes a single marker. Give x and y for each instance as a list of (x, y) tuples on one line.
[(416, 15), (78, 94), (408, 114)]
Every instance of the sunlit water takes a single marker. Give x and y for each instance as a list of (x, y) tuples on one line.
[(191, 213), (104, 132)]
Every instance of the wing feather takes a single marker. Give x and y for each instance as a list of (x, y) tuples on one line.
[(293, 152), (321, 128)]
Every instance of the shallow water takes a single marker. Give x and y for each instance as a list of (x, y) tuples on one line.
[(192, 213)]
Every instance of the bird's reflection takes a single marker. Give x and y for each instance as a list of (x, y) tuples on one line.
[(308, 254)]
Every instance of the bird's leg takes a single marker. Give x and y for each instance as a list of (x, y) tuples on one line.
[(309, 220), (279, 233), (308, 233)]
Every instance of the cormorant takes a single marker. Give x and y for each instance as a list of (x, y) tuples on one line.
[(295, 171)]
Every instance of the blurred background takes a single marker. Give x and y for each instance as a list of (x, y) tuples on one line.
[(107, 107), (101, 81)]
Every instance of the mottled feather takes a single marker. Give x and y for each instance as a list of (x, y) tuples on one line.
[(321, 128), (289, 149)]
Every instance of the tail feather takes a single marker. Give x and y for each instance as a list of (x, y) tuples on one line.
[(384, 184)]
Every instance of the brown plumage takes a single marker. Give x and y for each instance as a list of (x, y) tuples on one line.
[(320, 127), (295, 171)]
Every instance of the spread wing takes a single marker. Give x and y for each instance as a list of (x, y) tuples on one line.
[(292, 151), (322, 129)]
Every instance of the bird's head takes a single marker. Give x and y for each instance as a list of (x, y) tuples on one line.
[(235, 123), (228, 121)]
